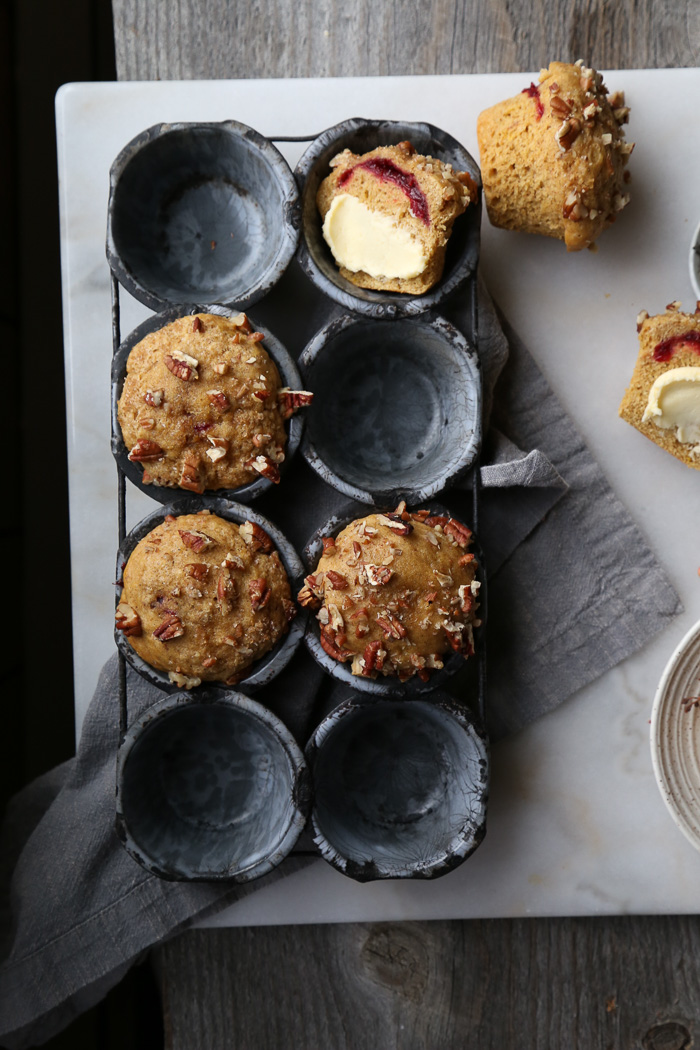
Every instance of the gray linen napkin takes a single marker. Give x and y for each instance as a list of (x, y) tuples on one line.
[(573, 589)]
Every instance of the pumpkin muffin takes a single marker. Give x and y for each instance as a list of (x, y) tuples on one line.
[(553, 159), (663, 398), (203, 407), (395, 593), (204, 598), (388, 215)]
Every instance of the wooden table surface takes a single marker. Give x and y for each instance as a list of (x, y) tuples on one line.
[(543, 984)]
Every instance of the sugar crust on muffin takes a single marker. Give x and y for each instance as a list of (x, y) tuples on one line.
[(395, 593), (204, 598), (203, 406)]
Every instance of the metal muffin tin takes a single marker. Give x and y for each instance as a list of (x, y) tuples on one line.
[(455, 335)]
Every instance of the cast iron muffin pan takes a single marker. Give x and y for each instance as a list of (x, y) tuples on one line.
[(455, 332)]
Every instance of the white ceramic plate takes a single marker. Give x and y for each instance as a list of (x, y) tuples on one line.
[(675, 736)]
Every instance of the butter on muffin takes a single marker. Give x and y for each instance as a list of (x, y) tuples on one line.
[(203, 407), (204, 598), (395, 593), (553, 159), (663, 398), (388, 215)]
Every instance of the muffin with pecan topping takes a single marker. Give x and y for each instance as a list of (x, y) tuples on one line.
[(202, 405), (395, 593), (553, 158), (663, 398), (204, 598), (388, 215)]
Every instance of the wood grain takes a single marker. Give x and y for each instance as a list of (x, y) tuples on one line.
[(549, 984), (194, 39), (579, 984)]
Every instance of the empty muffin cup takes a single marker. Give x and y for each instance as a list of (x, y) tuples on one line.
[(396, 410), (361, 136), (201, 213), (210, 789), (261, 531), (462, 652), (134, 469), (400, 787)]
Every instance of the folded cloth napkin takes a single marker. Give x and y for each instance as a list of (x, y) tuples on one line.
[(573, 589)]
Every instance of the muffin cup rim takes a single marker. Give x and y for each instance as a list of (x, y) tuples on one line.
[(284, 362), (322, 341), (300, 794), (389, 304), (271, 663), (289, 228)]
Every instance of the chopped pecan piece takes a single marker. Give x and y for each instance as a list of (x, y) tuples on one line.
[(436, 519), (466, 559), (242, 321), (561, 107), (261, 395), (260, 440), (290, 609), (197, 570), (154, 398), (197, 325), (145, 450), (291, 400), (264, 466), (373, 658), (225, 591), (392, 627), (170, 628), (218, 399), (457, 532), (421, 515), (378, 575), (210, 660), (260, 594), (218, 450), (182, 365), (337, 581), (395, 523), (190, 478), (232, 561), (329, 644), (328, 544), (128, 621), (196, 541), (256, 537), (184, 681)]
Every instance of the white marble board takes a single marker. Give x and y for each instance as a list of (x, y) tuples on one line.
[(576, 823)]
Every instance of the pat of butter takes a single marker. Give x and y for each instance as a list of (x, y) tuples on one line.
[(362, 239), (674, 402)]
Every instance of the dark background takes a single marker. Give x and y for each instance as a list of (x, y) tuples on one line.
[(43, 45)]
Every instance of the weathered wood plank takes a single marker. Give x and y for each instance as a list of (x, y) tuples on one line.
[(577, 984), (190, 39)]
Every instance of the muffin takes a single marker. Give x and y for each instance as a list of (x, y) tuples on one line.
[(553, 159), (663, 398), (388, 215), (202, 405), (395, 593), (204, 598)]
